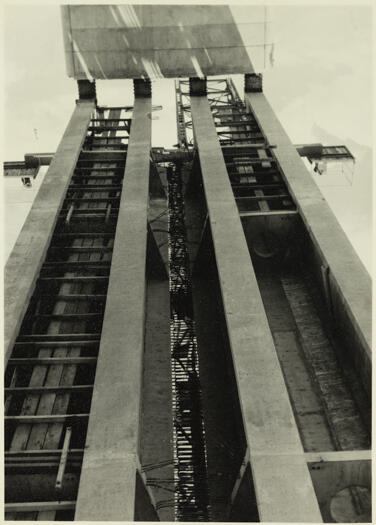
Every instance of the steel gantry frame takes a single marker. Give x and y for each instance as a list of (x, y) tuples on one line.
[(192, 502)]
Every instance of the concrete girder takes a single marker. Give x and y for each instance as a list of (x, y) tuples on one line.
[(283, 487), (25, 261), (108, 480), (350, 285)]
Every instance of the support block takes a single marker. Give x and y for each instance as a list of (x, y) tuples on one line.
[(142, 88), (86, 90), (197, 87), (253, 83)]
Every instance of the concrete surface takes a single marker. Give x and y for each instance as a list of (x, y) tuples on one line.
[(283, 487), (156, 449), (128, 41), (24, 263), (107, 489), (308, 408), (349, 282), (342, 412)]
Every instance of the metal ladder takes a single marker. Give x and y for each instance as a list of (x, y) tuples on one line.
[(192, 499)]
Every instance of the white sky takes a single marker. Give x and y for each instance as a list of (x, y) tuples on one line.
[(320, 87)]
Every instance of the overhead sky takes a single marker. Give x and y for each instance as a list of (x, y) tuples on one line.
[(320, 87)]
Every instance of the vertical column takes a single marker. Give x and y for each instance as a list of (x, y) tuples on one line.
[(282, 483), (25, 261), (349, 282), (107, 488)]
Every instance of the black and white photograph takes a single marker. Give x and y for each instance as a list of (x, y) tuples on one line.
[(187, 254)]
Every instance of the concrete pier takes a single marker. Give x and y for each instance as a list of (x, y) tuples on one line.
[(107, 489), (283, 487), (24, 263)]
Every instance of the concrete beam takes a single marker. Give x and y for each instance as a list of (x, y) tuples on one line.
[(156, 434), (107, 489), (24, 263), (283, 487), (338, 455), (349, 281), (134, 41)]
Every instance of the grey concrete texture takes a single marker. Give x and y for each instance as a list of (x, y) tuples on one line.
[(128, 41), (107, 486), (350, 280), (156, 434), (25, 261), (283, 487), (309, 413), (360, 352)]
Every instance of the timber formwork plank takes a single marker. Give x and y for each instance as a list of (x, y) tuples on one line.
[(283, 487), (111, 452), (55, 349), (25, 261)]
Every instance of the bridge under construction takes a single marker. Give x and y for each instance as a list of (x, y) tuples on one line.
[(187, 332)]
